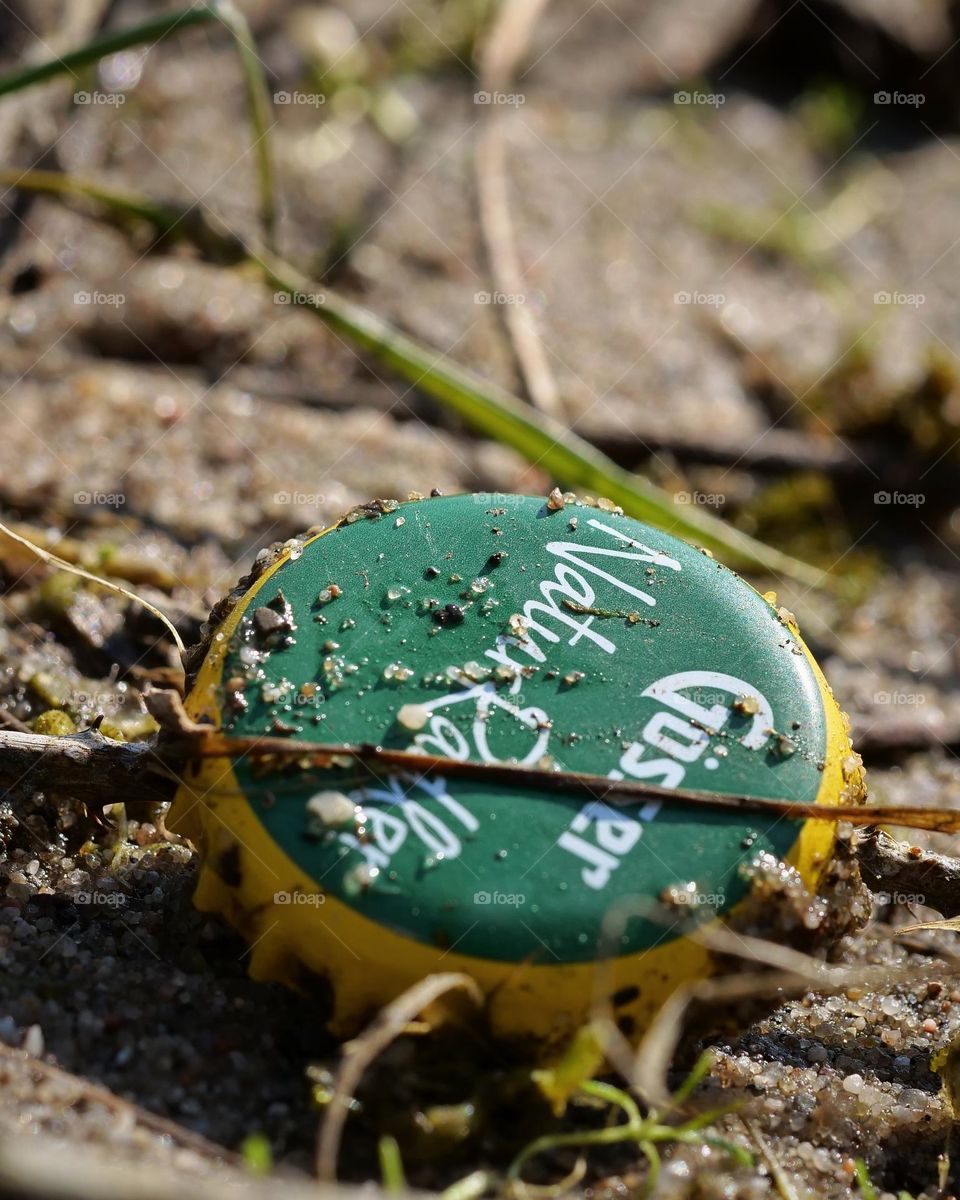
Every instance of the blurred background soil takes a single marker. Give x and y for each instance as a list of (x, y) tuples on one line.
[(739, 240)]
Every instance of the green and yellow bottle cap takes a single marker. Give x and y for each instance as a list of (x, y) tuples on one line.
[(501, 629)]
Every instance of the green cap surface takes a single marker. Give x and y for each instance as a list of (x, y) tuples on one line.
[(496, 629)]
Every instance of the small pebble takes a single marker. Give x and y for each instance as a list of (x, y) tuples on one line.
[(331, 808), (413, 716), (33, 1042)]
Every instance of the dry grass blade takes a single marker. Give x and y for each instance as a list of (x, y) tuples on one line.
[(54, 560), (551, 1191), (470, 1187), (780, 1178), (793, 974), (360, 1053), (944, 925), (126, 565), (503, 48)]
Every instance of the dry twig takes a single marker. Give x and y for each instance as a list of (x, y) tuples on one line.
[(896, 867), (91, 1093), (504, 46)]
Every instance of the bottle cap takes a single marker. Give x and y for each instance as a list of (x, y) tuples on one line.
[(500, 629)]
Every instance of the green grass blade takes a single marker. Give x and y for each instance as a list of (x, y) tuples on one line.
[(258, 109), (391, 1165), (743, 1158), (864, 1183), (257, 1154), (653, 1175), (701, 1069), (185, 222), (615, 1096), (544, 442), (153, 30), (485, 407), (120, 205)]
